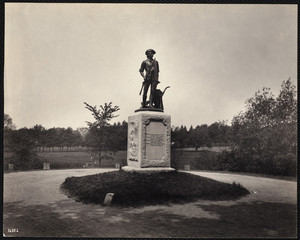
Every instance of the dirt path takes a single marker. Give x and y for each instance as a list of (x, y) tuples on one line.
[(40, 187), (263, 189), (34, 206)]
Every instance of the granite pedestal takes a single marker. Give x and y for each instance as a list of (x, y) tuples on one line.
[(149, 141)]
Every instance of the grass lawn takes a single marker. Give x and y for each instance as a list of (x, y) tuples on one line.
[(59, 160), (133, 188)]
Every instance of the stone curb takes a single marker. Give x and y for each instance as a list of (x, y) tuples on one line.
[(147, 170)]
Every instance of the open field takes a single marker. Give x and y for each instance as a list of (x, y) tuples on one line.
[(205, 160), (211, 149), (196, 160), (78, 159), (59, 160)]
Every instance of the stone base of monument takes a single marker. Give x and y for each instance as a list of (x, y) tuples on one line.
[(149, 141), (147, 170), (149, 109)]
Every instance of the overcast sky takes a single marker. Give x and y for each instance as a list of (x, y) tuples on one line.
[(213, 57)]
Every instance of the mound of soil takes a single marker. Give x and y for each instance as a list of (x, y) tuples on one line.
[(134, 188)]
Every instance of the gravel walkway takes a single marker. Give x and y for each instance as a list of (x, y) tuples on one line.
[(34, 206), (262, 189)]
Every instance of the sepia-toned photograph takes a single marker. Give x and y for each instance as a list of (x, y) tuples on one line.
[(131, 120)]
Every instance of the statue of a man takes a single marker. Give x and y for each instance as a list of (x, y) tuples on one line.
[(151, 67)]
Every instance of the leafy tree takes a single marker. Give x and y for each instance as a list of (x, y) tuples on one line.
[(219, 133), (101, 136), (77, 139), (8, 123), (51, 138), (120, 131), (22, 147), (286, 107), (264, 136), (38, 134), (174, 136), (8, 130), (183, 136), (68, 138), (189, 140), (200, 136), (180, 137), (261, 108), (203, 135), (61, 138)]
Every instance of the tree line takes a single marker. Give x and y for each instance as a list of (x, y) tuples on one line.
[(64, 139), (215, 134), (262, 139), (21, 145), (41, 139)]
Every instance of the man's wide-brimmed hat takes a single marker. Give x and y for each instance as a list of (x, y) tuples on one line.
[(150, 50)]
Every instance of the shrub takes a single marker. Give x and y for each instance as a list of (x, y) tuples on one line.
[(26, 159), (284, 164)]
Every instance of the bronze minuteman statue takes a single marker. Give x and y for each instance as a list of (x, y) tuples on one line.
[(151, 67)]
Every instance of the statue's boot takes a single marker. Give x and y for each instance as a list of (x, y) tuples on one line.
[(151, 103), (144, 102)]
